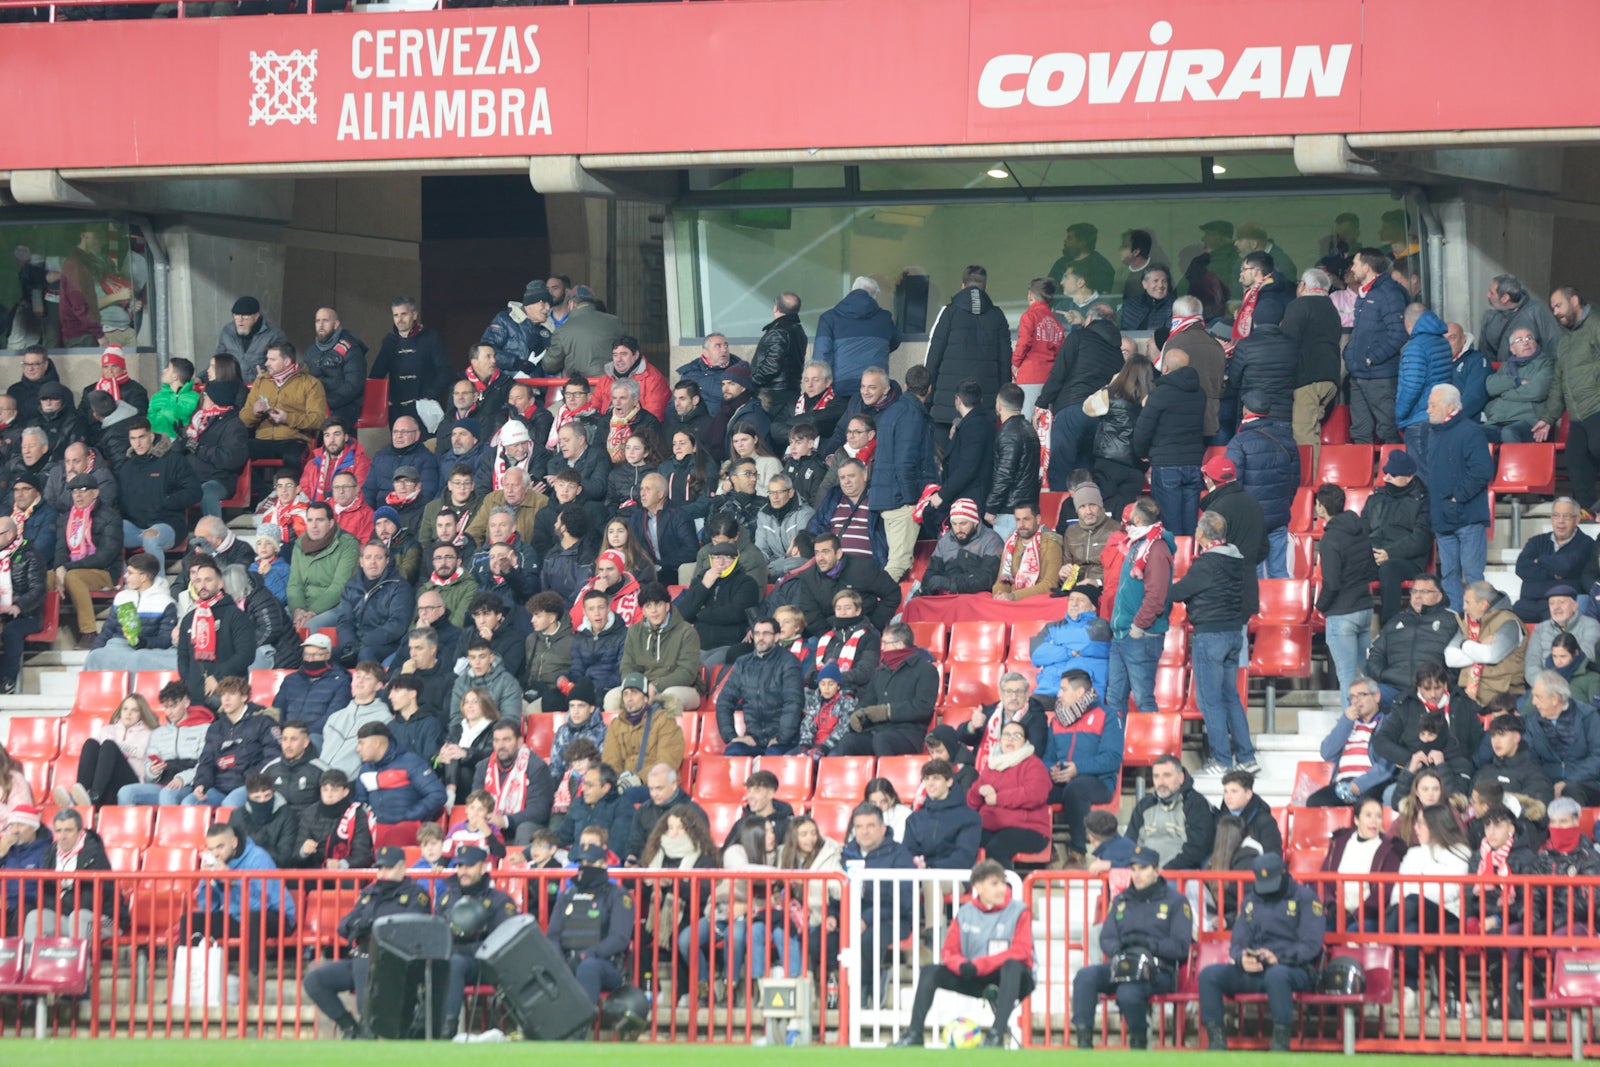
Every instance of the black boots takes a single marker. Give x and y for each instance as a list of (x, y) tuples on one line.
[(1216, 1038), (1085, 1036), (995, 1038), (908, 1038), (1280, 1038)]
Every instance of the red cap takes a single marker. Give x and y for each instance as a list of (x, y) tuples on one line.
[(1220, 469)]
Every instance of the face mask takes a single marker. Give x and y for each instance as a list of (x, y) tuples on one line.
[(591, 879), (261, 810)]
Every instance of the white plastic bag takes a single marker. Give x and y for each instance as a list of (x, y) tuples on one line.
[(431, 414), (198, 974)]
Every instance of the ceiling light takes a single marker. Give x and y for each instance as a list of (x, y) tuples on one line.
[(1218, 168), (999, 171)]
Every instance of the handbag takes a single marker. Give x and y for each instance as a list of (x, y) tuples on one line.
[(666, 913), (199, 976)]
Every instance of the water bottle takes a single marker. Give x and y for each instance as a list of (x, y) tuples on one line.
[(791, 1036)]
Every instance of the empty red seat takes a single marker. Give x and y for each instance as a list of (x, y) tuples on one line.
[(1345, 465), (721, 777), (539, 732), (794, 776), (1303, 511), (264, 685), (1310, 828), (978, 642), (1151, 734), (1336, 427), (34, 738), (1302, 555), (181, 826), (973, 683), (710, 737), (1284, 602), (99, 692), (374, 405), (931, 636), (1281, 652), (1175, 649), (1182, 555), (75, 730), (1525, 468), (148, 685), (1356, 498), (127, 826), (1308, 465), (1050, 505), (722, 816), (844, 778), (833, 817), (905, 772)]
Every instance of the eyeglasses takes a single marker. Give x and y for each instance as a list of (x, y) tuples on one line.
[(854, 432), (36, 364), (1524, 340)]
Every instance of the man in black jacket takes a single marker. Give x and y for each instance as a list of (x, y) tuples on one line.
[(1311, 325), (894, 710), (967, 557), (833, 571), (1015, 480), (1412, 639), (1170, 434), (1086, 363), (967, 466), (1400, 530), (666, 533), (221, 447), (338, 359), (1398, 738), (970, 339), (717, 601), (1265, 361), (414, 359), (1173, 818), (268, 819), (1345, 598), (776, 363), (215, 640), (767, 685), (1241, 511), (21, 597), (1239, 799), (155, 485), (1220, 589)]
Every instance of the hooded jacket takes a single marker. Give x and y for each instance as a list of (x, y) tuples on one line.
[(1495, 331), (1189, 853), (399, 787), (1083, 643), (244, 897), (903, 463), (964, 568), (720, 614), (635, 747), (1347, 567), (311, 698), (612, 812), (669, 656), (775, 530), (1092, 743), (770, 690), (157, 487), (1169, 430), (1088, 360), (547, 657), (277, 830), (1244, 515), (853, 335), (1453, 459), (1259, 824), (378, 481), (970, 339), (1397, 522), (517, 340), (502, 687), (1425, 361), (316, 581), (179, 747), (1268, 461), (170, 410), (158, 618)]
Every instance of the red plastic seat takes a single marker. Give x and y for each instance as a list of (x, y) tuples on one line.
[(722, 816), (99, 692), (710, 737), (539, 732), (1345, 465), (240, 497), (844, 778), (721, 777), (374, 405), (1311, 827), (904, 771), (1151, 734), (689, 723), (181, 826), (794, 776), (1310, 776), (1174, 650), (1308, 465), (1336, 427), (123, 858), (1281, 652), (10, 961), (75, 730), (833, 817), (148, 685), (1182, 556), (1356, 499), (264, 685), (1191, 706), (1171, 682), (126, 826), (1302, 555), (1284, 602), (38, 776), (1377, 964), (1525, 468), (978, 642), (49, 620), (1050, 505), (34, 738), (57, 966), (933, 637), (1303, 511), (973, 683)]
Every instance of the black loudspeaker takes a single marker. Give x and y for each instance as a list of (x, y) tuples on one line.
[(533, 981), (407, 977)]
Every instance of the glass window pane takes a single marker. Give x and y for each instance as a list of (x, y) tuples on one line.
[(77, 283)]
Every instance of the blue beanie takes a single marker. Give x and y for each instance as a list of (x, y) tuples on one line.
[(830, 673), (386, 512)]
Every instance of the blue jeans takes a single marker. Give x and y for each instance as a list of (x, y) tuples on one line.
[(730, 947), (1216, 690), (212, 494), (151, 793), (1348, 638), (1133, 670), (1277, 561), (1512, 433), (214, 797), (1176, 491), (1462, 556), (1071, 438), (792, 956), (155, 540), (1005, 525)]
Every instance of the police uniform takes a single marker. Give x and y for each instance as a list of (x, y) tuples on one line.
[(592, 925), (1157, 920), (1285, 918), (326, 981), (463, 950)]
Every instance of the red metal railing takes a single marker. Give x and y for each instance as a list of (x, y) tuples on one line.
[(153, 916)]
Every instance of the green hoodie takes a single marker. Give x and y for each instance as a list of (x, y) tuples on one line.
[(315, 581), (171, 409)]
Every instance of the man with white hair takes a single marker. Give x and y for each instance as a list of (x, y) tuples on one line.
[(627, 417), (1563, 737), (1311, 323), (853, 335), (1205, 353), (1453, 457)]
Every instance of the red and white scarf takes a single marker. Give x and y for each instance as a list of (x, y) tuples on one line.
[(344, 834), (1244, 321), (1026, 572), (1356, 757), (290, 518), (21, 515), (442, 581), (396, 499), (1474, 627), (113, 383), (203, 417), (797, 648), (509, 788), (203, 639), (565, 415), (1141, 539), (617, 436), (80, 533), (846, 658), (1492, 861), (502, 464), (478, 384), (864, 453), (284, 375), (327, 467), (7, 594), (822, 401)]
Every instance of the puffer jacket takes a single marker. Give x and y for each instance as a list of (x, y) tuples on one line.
[(1397, 522), (1141, 312), (170, 409), (1022, 792), (1015, 479), (311, 698), (1406, 642), (157, 487), (379, 478), (1519, 389), (157, 615), (853, 335), (517, 340), (1379, 333), (945, 833), (1087, 362), (1579, 761), (249, 350), (1268, 462), (1220, 590), (598, 656), (1113, 435), (775, 531), (1170, 428), (903, 462), (770, 691), (400, 788), (179, 747), (1267, 361), (342, 370), (1425, 361), (28, 581), (547, 657), (245, 746), (1093, 744), (780, 354), (666, 657), (374, 614), (1083, 643), (1347, 567), (969, 568), (970, 339), (1453, 459)]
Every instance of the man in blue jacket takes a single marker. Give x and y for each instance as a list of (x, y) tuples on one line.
[(1267, 460), (885, 914), (375, 608), (1084, 755), (944, 833), (901, 465), (1453, 456), (242, 910), (397, 785), (1372, 354), (1563, 737), (853, 335), (315, 691), (1425, 361)]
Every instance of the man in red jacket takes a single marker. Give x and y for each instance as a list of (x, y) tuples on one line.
[(988, 952)]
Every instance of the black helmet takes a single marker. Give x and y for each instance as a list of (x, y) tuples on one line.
[(1343, 977), (469, 917), (1135, 965), (627, 1011)]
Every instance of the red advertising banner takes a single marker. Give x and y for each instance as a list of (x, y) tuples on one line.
[(785, 74)]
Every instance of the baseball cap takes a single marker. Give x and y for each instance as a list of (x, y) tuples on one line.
[(1146, 857), (514, 433), (408, 471), (390, 856), (467, 855), (725, 549), (636, 681), (589, 853), (322, 641), (1269, 874), (1220, 469)]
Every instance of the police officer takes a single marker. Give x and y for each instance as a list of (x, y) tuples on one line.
[(1149, 916), (474, 908), (1277, 941), (392, 894), (592, 924)]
